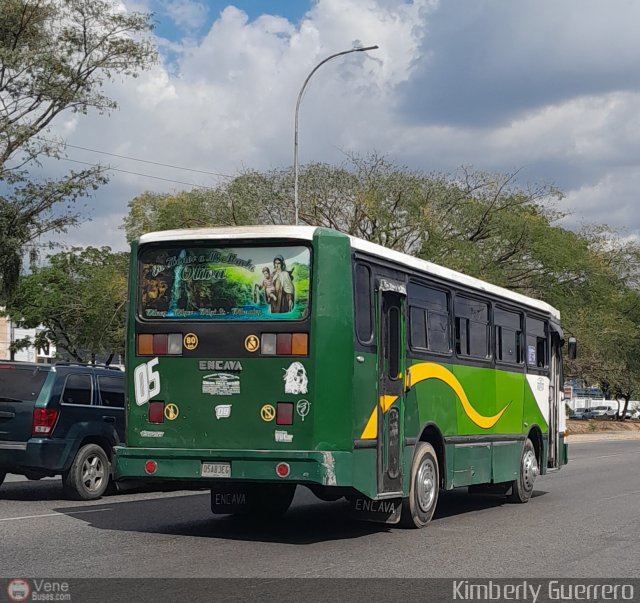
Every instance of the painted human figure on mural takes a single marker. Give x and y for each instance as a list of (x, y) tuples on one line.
[(284, 289), (267, 286)]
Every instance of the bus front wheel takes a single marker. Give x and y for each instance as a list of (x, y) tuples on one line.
[(418, 508), (522, 488)]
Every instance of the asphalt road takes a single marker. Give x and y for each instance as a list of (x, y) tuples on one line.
[(582, 522)]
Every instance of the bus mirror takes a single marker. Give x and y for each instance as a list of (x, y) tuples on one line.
[(573, 348)]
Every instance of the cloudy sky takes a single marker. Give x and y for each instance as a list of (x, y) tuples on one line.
[(550, 87)]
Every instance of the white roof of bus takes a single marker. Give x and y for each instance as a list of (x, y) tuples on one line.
[(306, 233)]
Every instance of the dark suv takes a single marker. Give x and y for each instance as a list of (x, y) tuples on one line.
[(62, 419)]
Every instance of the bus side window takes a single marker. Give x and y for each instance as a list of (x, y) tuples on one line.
[(508, 340), (363, 299), (537, 343), (472, 327), (429, 318)]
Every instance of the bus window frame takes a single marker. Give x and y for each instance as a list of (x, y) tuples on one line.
[(538, 370), (418, 351), (468, 358), (523, 340), (236, 244), (372, 314)]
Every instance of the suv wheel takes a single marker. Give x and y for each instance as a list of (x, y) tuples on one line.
[(89, 474)]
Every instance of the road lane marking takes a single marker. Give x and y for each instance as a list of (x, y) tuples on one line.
[(620, 495), (605, 456), (53, 514)]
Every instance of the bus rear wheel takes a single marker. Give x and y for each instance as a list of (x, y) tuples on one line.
[(522, 488), (418, 508)]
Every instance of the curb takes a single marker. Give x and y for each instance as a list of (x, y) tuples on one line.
[(580, 438)]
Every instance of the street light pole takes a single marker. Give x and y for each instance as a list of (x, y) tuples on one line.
[(295, 129)]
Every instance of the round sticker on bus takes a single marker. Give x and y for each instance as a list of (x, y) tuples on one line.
[(171, 411), (252, 343), (190, 341), (268, 413)]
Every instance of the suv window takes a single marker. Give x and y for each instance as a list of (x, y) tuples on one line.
[(78, 389), (111, 391), (21, 383)]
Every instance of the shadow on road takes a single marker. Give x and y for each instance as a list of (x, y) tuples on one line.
[(308, 521), (457, 502), (32, 490), (191, 516)]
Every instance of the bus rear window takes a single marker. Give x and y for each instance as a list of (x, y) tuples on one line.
[(224, 283)]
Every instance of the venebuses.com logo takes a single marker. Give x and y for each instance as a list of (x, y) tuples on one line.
[(20, 589)]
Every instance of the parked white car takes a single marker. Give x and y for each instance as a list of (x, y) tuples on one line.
[(578, 413), (597, 412)]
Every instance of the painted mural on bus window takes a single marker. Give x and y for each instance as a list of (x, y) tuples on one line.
[(230, 283)]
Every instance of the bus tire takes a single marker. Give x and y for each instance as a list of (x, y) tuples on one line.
[(89, 474), (522, 488), (419, 506)]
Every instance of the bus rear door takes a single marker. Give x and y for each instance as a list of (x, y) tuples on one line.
[(391, 370)]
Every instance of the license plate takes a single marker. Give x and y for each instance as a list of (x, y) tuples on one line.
[(215, 470)]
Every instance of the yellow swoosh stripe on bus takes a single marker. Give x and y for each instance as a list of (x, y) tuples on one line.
[(422, 372)]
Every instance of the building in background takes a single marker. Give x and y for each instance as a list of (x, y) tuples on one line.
[(9, 333)]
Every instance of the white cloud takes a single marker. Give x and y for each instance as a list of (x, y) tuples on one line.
[(186, 13), (226, 101)]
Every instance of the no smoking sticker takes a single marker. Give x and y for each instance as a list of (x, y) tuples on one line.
[(252, 343)]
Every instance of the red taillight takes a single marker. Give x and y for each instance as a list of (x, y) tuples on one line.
[(7, 366), (283, 344), (160, 344), (156, 412), (283, 469), (284, 413), (150, 467), (44, 420)]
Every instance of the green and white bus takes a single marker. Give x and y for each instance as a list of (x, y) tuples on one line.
[(263, 358)]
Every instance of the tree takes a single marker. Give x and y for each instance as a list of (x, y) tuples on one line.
[(79, 298), (485, 225), (55, 56)]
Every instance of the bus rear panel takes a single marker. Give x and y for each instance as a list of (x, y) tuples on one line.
[(238, 364)]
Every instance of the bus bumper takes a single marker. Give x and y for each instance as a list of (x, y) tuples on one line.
[(564, 450), (331, 468)]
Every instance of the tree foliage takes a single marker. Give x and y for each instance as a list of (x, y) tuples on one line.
[(79, 299), (482, 224), (55, 56)]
